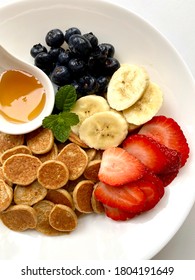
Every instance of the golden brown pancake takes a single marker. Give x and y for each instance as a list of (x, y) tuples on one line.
[(53, 174), (75, 158), (82, 194), (19, 217), (76, 140), (22, 149), (8, 141), (21, 169), (60, 196), (92, 170), (6, 195), (63, 218), (52, 154), (40, 141), (29, 195), (96, 205), (43, 209)]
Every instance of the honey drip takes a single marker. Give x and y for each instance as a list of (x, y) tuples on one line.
[(22, 96)]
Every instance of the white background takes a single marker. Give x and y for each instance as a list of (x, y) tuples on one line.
[(176, 20)]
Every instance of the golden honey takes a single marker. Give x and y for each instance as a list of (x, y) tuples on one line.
[(22, 96)]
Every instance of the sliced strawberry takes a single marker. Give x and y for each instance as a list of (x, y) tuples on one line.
[(117, 214), (150, 176), (173, 159), (128, 197), (168, 177), (167, 132), (151, 190), (118, 167), (154, 155)]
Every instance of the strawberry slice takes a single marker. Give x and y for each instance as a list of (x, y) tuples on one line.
[(169, 133), (168, 178), (150, 176), (118, 167), (153, 190), (128, 197), (117, 214), (154, 155)]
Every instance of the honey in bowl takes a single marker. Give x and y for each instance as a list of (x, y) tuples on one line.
[(22, 96)]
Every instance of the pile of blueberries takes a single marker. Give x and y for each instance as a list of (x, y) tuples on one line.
[(77, 59)]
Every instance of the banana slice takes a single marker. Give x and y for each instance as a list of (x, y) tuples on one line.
[(103, 130), (146, 107), (87, 106), (126, 86)]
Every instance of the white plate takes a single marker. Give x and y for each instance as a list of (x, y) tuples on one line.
[(97, 237)]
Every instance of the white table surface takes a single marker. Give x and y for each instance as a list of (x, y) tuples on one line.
[(176, 20)]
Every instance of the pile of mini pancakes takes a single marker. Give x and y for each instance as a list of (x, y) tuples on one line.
[(46, 185)]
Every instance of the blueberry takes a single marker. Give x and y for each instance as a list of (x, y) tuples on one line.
[(54, 52), (64, 57), (87, 84), (36, 49), (61, 75), (78, 89), (102, 84), (71, 31), (111, 64), (44, 61), (108, 49), (99, 53), (54, 38), (77, 66), (92, 39), (94, 66), (79, 45)]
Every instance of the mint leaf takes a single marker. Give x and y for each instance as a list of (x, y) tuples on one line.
[(50, 121), (61, 124), (65, 98), (69, 118), (61, 131)]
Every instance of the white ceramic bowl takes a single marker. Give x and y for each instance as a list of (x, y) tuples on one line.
[(97, 237)]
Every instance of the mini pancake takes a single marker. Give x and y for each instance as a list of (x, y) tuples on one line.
[(8, 141), (76, 140), (2, 177), (40, 141), (60, 196), (52, 154), (72, 184), (22, 149), (63, 218), (98, 154), (19, 217), (43, 209), (75, 159), (21, 169), (82, 194), (90, 153), (53, 174), (92, 170), (96, 205), (6, 195), (29, 195)]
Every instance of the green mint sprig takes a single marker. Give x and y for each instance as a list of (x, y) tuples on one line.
[(61, 123)]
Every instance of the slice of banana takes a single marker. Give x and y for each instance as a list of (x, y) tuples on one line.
[(103, 130), (87, 106), (146, 107), (126, 86)]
